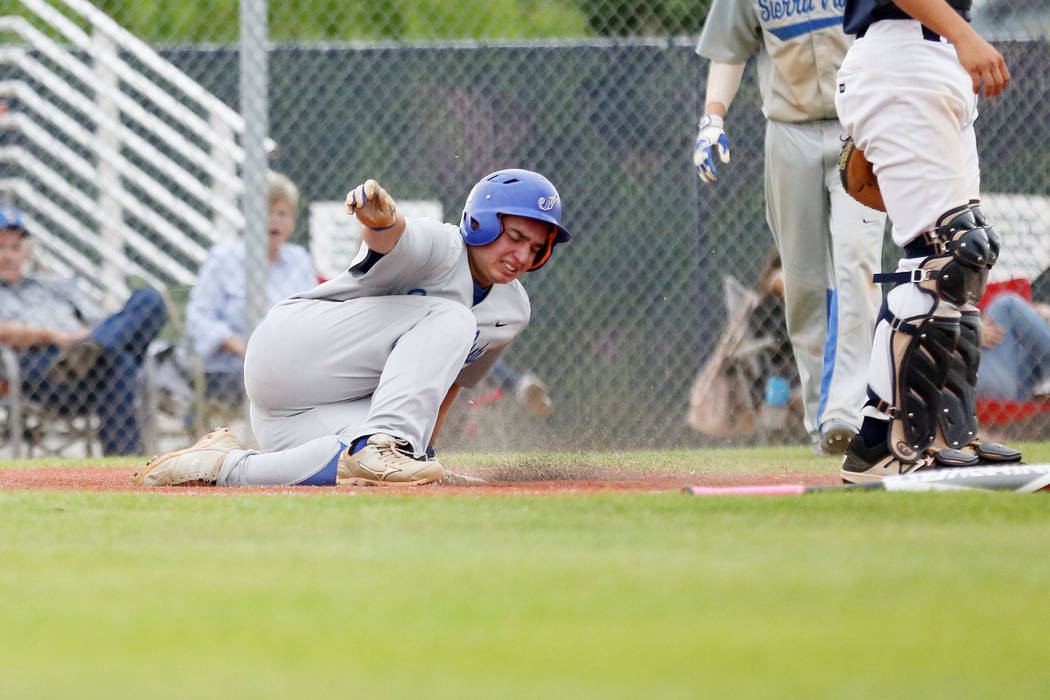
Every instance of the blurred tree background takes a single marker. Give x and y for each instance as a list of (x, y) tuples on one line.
[(216, 21)]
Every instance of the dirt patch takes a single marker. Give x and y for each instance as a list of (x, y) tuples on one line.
[(507, 481)]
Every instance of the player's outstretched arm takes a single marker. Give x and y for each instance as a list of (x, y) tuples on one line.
[(377, 212), (723, 81), (981, 60)]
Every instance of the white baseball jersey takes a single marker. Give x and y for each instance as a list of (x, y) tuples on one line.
[(800, 46)]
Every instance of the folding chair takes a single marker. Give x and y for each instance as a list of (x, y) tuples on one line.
[(33, 429)]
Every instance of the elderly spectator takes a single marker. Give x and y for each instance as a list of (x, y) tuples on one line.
[(72, 357)]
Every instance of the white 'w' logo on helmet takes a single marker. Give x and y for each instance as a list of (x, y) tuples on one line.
[(547, 203)]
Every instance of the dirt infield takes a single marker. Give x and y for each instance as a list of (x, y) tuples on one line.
[(533, 481)]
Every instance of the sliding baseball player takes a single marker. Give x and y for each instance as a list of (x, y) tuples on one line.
[(349, 383)]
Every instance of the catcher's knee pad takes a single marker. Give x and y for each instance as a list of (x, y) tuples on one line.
[(957, 418), (957, 254), (921, 349), (993, 237)]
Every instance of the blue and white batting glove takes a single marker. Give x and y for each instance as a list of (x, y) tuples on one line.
[(710, 137)]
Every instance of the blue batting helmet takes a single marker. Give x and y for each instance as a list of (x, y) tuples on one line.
[(517, 192)]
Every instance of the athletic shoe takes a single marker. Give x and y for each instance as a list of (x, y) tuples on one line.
[(864, 464), (75, 362), (199, 463), (385, 461), (835, 437), (532, 395)]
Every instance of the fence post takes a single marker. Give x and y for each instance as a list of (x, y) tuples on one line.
[(254, 98), (110, 212)]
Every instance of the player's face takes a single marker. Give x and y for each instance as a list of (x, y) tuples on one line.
[(14, 253), (281, 225), (512, 253)]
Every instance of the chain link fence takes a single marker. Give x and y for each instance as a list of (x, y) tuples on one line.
[(128, 186)]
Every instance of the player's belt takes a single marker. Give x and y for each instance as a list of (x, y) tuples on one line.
[(927, 33)]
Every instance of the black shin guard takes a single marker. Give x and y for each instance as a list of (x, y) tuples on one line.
[(922, 349), (957, 417)]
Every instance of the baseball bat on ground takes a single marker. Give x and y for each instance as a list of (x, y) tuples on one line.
[(1019, 478)]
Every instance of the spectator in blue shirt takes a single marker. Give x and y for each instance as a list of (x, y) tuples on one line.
[(215, 314)]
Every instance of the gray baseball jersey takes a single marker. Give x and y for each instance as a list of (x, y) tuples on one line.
[(800, 47), (373, 350), (430, 259)]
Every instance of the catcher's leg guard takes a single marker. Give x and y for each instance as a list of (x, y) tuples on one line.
[(957, 420), (921, 350), (955, 256)]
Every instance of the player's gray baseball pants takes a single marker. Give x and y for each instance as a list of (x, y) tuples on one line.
[(827, 241), (320, 374)]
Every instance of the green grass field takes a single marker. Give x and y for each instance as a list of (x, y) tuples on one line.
[(838, 595)]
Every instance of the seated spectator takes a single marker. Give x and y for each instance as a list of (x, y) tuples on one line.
[(1015, 349), (215, 314), (751, 381), (72, 358)]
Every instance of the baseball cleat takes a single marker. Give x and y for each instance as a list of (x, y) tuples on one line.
[(199, 463), (834, 439), (864, 464), (383, 461)]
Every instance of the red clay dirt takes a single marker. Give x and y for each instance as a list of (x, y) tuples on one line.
[(498, 482)]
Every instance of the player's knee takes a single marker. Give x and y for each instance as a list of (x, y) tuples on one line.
[(455, 319), (956, 255)]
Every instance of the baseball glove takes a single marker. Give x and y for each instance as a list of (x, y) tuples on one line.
[(858, 176)]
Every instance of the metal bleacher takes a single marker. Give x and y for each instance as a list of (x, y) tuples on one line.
[(126, 168)]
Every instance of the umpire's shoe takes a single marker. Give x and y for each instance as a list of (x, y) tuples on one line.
[(198, 464), (384, 461), (865, 464)]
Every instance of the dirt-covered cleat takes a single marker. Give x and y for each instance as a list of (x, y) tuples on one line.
[(197, 464), (835, 437), (385, 461)]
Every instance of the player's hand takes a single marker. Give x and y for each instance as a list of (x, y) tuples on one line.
[(372, 205), (711, 137), (985, 65), (64, 339)]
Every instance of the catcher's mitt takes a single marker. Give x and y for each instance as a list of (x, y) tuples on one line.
[(858, 177)]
